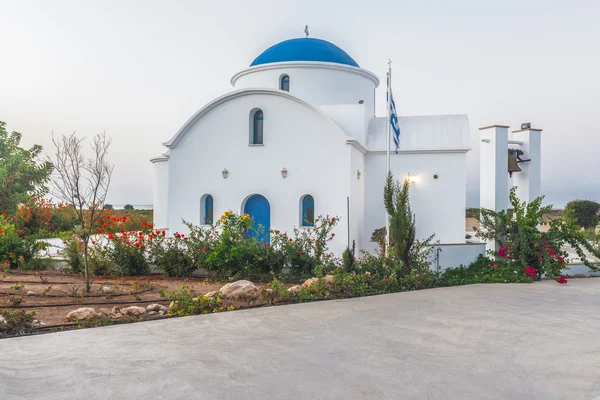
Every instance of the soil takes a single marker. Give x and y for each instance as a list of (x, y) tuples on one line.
[(59, 293)]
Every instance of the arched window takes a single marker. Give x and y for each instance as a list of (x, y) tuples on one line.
[(256, 136), (207, 210), (284, 83), (308, 211)]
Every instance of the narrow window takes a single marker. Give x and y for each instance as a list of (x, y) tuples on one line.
[(308, 210), (208, 210), (284, 83), (257, 127)]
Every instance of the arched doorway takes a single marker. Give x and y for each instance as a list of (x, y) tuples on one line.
[(258, 208)]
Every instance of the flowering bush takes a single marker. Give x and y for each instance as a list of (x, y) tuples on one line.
[(307, 248), (523, 246), (484, 270), (16, 251), (171, 255)]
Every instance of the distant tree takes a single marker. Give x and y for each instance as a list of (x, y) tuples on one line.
[(585, 213), (128, 207), (401, 218), (82, 182), (21, 175), (108, 207)]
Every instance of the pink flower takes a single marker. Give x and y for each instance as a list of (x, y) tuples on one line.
[(494, 265), (561, 260), (7, 262), (503, 251), (561, 280)]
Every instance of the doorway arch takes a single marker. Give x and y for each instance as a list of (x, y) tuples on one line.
[(259, 209)]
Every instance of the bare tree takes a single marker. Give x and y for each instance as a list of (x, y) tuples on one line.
[(82, 182)]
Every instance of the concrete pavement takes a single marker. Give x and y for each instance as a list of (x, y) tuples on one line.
[(539, 341)]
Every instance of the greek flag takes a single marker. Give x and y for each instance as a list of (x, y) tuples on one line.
[(394, 121)]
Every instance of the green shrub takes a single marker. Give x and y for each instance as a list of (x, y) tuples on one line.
[(16, 322), (73, 252), (171, 256), (128, 259), (16, 251), (187, 302), (483, 270), (584, 212)]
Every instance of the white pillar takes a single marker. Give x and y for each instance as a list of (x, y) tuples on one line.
[(493, 170), (528, 181), (160, 193)]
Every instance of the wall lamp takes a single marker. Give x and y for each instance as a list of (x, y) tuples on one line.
[(283, 173), (225, 173), (412, 178)]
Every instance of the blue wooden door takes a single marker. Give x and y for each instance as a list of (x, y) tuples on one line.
[(260, 211)]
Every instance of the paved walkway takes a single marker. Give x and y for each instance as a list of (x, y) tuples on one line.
[(539, 341)]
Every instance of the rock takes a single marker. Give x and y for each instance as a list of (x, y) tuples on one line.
[(195, 299), (134, 311), (269, 291), (117, 315), (172, 304), (241, 290), (310, 281), (328, 279), (156, 307), (104, 312), (2, 320), (106, 289), (152, 312), (82, 313), (295, 289), (31, 293), (211, 294), (115, 310), (161, 312)]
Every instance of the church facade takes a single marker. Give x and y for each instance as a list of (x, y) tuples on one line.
[(298, 137)]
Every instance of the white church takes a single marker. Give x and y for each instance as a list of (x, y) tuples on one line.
[(298, 137)]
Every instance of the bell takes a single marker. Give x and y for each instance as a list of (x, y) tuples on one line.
[(513, 165)]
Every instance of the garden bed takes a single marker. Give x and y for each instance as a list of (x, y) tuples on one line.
[(56, 294)]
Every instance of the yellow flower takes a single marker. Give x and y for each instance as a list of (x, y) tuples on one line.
[(245, 217)]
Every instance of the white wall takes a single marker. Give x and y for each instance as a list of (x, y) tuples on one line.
[(309, 146), (454, 255), (160, 192), (439, 204), (317, 83), (357, 199)]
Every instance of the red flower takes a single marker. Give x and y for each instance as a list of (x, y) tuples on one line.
[(540, 258), (503, 251), (561, 260), (299, 251), (333, 234), (290, 239), (494, 265), (110, 235), (332, 219), (561, 280), (204, 249), (530, 272), (266, 245)]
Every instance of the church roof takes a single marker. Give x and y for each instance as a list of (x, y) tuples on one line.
[(304, 49), (423, 133)]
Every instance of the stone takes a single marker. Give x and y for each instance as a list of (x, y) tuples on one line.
[(161, 312), (295, 289), (82, 313), (329, 279), (211, 294), (104, 312), (241, 290), (310, 281), (116, 310), (172, 304), (2, 320), (152, 312), (195, 299), (134, 311), (106, 289), (156, 307), (269, 291), (117, 315), (31, 293)]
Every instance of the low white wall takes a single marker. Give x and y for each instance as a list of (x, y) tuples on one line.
[(453, 255)]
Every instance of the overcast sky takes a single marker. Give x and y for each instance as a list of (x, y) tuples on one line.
[(140, 69)]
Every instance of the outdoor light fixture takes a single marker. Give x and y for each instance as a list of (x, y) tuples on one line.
[(225, 173), (283, 173), (413, 177)]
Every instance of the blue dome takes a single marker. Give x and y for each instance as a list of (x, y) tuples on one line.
[(304, 49)]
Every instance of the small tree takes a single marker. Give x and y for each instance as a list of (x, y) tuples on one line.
[(82, 182), (21, 176), (128, 207), (401, 218), (584, 212), (108, 207)]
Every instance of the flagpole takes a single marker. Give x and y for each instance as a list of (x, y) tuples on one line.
[(387, 147)]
